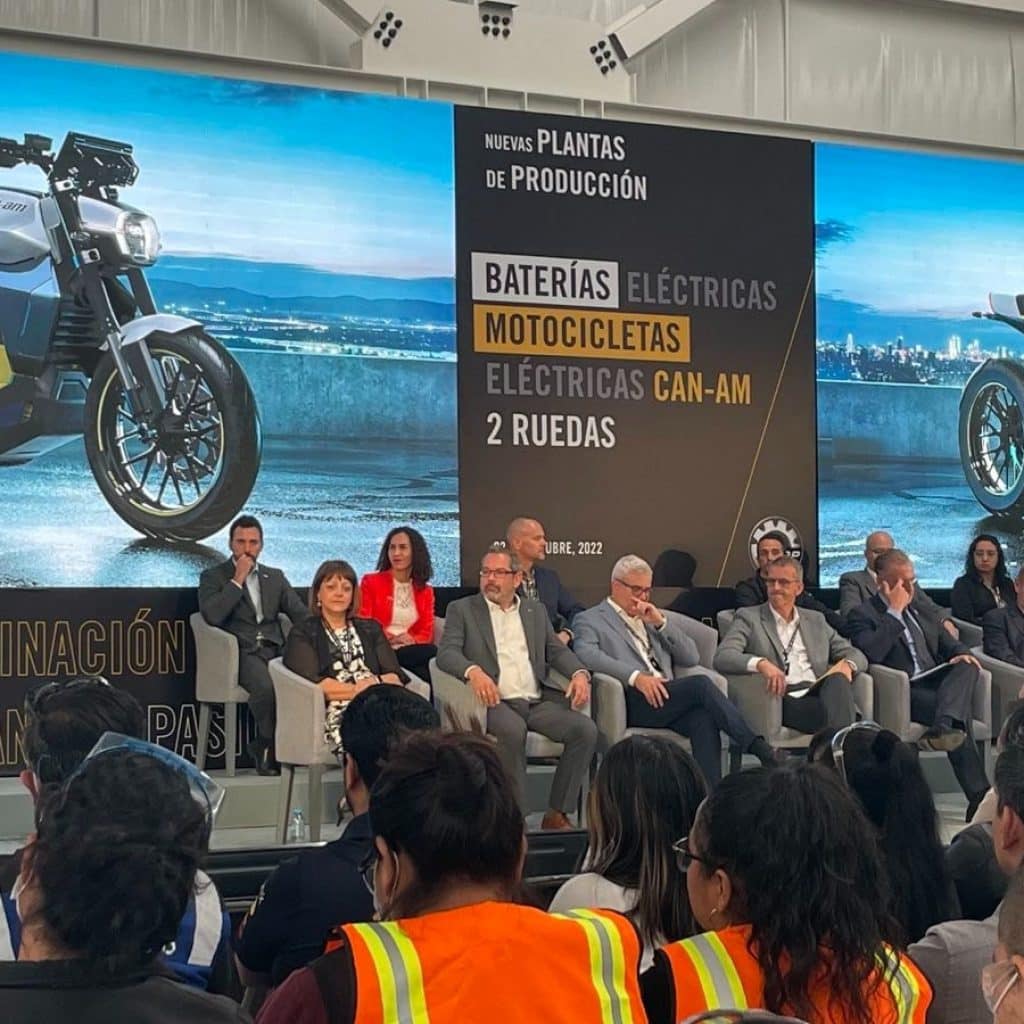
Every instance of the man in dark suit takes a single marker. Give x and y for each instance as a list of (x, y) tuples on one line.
[(503, 646), (245, 598), (1004, 628), (943, 672), (526, 540), (753, 591)]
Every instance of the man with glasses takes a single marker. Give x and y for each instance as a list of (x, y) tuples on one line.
[(954, 954), (503, 646), (943, 673), (629, 639), (64, 722), (802, 658)]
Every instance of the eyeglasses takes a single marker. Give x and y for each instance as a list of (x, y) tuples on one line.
[(685, 856), (838, 754), (633, 589), (497, 573), (769, 580), (207, 793), (996, 981)]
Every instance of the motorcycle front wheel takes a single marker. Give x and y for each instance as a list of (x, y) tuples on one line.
[(992, 435), (188, 474)]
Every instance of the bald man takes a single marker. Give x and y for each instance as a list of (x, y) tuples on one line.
[(525, 539)]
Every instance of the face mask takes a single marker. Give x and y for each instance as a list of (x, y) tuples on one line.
[(382, 908)]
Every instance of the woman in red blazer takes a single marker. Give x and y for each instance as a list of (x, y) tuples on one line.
[(399, 596)]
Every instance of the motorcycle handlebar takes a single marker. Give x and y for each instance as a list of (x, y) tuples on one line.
[(33, 150)]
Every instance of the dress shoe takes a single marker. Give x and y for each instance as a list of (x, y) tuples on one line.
[(262, 757), (555, 821), (941, 737)]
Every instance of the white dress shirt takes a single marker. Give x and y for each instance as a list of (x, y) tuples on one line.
[(800, 668), (252, 585), (516, 679)]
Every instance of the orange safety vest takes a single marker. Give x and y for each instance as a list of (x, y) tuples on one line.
[(717, 971), (498, 961)]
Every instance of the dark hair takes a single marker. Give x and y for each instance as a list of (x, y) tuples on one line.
[(64, 721), (445, 801), (885, 775), (422, 567), (1009, 779), (1011, 915), (116, 852), (776, 535), (806, 877), (894, 556), (645, 797), (376, 720), (1000, 576), (245, 522), (1012, 732), (334, 567)]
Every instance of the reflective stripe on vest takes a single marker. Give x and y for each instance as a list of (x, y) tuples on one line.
[(607, 965), (906, 992), (399, 975), (719, 981)]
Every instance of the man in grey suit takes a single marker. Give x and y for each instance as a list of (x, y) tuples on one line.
[(503, 645), (802, 658), (245, 598), (857, 587), (628, 638)]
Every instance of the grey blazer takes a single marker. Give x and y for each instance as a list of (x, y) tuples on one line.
[(857, 587), (468, 639), (753, 635), (603, 643)]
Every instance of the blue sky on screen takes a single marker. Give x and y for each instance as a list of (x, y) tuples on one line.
[(918, 233), (338, 181)]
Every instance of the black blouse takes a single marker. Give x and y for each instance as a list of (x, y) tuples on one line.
[(308, 652), (971, 599)]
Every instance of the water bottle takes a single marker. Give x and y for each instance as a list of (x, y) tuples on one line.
[(297, 830)]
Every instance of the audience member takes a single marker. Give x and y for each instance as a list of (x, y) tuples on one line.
[(63, 722), (1001, 979), (885, 776), (246, 597), (645, 796), (1003, 627), (452, 943), (943, 672), (754, 590), (503, 646), (309, 894), (399, 596), (628, 638), (985, 584), (802, 658), (340, 652), (857, 587), (952, 954), (103, 885), (782, 866), (526, 541)]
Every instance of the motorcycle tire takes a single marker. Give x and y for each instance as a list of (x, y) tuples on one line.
[(991, 435), (213, 448)]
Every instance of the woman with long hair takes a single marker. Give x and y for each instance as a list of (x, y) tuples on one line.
[(985, 583), (783, 875), (451, 942), (886, 777), (644, 797), (399, 596)]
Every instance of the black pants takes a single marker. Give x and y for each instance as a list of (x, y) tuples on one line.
[(416, 659), (254, 676), (698, 710), (829, 704), (947, 696)]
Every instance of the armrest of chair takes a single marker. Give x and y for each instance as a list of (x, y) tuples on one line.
[(970, 634), (761, 709), (557, 681), (418, 686), (216, 659), (458, 707), (299, 735), (438, 630), (892, 698), (982, 709), (864, 695), (609, 709), (1007, 681)]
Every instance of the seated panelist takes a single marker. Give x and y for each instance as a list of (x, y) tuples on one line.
[(985, 584)]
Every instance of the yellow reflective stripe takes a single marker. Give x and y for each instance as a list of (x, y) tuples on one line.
[(6, 373), (906, 991), (607, 965), (719, 979), (399, 974)]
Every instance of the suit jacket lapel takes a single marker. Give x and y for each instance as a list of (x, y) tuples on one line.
[(527, 617), (768, 621), (483, 621), (619, 625)]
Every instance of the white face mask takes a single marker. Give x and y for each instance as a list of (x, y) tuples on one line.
[(380, 908), (20, 885)]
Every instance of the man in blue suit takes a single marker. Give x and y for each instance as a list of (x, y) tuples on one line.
[(525, 539)]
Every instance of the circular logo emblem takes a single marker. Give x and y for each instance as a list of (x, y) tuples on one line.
[(776, 524)]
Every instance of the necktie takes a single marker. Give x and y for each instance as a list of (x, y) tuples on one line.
[(925, 660)]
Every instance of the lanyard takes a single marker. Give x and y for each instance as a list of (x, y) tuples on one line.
[(789, 647)]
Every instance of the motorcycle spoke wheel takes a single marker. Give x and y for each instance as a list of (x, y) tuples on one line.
[(996, 444)]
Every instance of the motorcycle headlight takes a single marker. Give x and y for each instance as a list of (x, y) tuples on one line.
[(138, 237)]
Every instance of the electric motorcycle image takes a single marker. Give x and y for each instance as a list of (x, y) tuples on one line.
[(992, 421), (171, 428)]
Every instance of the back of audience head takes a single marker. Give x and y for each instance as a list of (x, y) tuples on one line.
[(1008, 825), (446, 822), (1002, 980), (1012, 731), (128, 834), (645, 797), (63, 722), (789, 853), (422, 567), (886, 777)]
